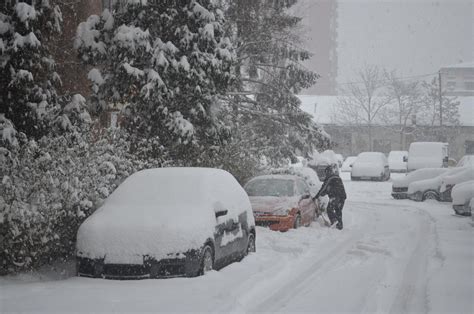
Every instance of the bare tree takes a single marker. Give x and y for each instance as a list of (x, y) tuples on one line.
[(362, 101), (405, 102)]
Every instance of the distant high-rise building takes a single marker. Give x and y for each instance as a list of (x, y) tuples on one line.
[(320, 16)]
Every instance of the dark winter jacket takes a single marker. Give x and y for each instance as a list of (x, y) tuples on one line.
[(333, 188)]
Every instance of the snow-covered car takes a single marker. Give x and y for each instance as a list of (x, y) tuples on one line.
[(370, 166), (167, 222), (466, 161), (427, 155), (463, 198), (396, 161), (320, 161), (450, 181), (429, 188), (400, 186), (281, 201), (347, 164)]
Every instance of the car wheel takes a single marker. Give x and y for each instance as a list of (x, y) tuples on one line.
[(297, 223), (430, 195), (251, 247), (207, 263)]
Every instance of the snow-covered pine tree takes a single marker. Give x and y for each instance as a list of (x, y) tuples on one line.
[(270, 74), (27, 75), (166, 61)]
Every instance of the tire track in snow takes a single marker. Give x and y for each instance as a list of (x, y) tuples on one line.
[(412, 294), (283, 293)]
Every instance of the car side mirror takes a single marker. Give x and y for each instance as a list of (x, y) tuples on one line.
[(405, 159), (221, 212)]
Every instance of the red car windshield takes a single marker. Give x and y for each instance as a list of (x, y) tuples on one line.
[(270, 187)]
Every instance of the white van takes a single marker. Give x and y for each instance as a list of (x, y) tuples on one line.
[(427, 155)]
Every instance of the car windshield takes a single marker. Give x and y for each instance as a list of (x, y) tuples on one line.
[(270, 187), (369, 158)]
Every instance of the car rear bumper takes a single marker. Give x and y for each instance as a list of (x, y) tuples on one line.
[(365, 178), (464, 210), (187, 266), (275, 223), (446, 195), (400, 195), (417, 196)]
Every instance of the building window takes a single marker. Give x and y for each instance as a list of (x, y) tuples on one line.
[(450, 85), (469, 85), (469, 146)]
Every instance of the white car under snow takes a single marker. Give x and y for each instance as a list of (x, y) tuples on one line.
[(396, 161), (370, 166), (347, 164), (430, 188), (167, 222), (463, 198), (400, 186), (452, 180)]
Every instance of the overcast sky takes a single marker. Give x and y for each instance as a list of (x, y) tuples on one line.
[(412, 36)]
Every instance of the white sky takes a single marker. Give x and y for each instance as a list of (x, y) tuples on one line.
[(412, 36)]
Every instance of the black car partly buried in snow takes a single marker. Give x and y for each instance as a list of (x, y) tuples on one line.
[(167, 222)]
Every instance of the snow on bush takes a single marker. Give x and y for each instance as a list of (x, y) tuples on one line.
[(156, 212)]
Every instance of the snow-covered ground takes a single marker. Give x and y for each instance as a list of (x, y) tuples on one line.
[(393, 256)]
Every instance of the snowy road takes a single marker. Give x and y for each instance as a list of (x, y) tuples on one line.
[(393, 256)]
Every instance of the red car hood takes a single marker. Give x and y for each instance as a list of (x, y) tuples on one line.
[(273, 204)]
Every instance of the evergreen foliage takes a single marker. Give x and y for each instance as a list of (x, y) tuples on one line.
[(269, 75), (27, 77), (166, 61)]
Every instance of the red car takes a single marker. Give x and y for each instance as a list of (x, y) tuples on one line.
[(281, 202)]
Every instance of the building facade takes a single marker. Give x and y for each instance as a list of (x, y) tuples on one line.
[(458, 79), (350, 140)]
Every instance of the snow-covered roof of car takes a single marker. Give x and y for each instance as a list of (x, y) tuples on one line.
[(419, 174), (432, 183), (462, 192), (160, 211), (306, 173), (459, 177)]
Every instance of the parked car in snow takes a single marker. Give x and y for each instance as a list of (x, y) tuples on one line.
[(167, 222), (463, 198), (396, 161), (400, 186), (427, 155), (320, 161), (347, 164), (430, 188), (466, 161), (450, 181), (281, 201), (370, 166)]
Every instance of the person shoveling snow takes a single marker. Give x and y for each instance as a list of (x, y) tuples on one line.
[(334, 188)]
